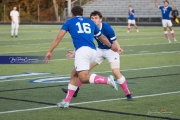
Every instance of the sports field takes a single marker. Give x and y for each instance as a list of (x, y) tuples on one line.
[(31, 91)]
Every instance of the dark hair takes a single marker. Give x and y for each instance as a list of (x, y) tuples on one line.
[(166, 1), (94, 13), (77, 10)]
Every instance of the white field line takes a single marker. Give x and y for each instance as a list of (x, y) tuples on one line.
[(71, 43), (149, 68), (98, 101), (133, 54)]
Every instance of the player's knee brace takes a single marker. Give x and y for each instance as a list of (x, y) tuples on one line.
[(115, 65)]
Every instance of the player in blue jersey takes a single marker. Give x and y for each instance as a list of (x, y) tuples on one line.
[(131, 19), (82, 31), (103, 52), (166, 21)]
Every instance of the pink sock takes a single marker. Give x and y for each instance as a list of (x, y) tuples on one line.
[(123, 84), (79, 83), (129, 28), (166, 35), (70, 93), (136, 27), (173, 35), (96, 79)]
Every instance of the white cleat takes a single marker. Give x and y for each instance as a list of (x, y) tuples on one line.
[(137, 30), (128, 31), (175, 40), (112, 82), (169, 41), (63, 104)]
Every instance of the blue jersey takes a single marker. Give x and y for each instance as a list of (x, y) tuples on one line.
[(131, 17), (165, 12), (107, 31), (82, 31)]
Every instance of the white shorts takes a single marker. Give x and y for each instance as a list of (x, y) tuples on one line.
[(166, 23), (15, 25), (84, 57), (108, 54), (131, 21)]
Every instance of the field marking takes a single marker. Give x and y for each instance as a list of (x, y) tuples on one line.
[(134, 54), (93, 72), (89, 102), (71, 42)]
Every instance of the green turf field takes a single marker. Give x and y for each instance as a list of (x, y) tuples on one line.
[(150, 65)]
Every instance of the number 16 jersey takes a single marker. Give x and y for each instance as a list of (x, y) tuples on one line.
[(82, 31)]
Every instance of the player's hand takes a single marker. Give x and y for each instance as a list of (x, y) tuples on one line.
[(114, 48), (120, 51), (48, 57), (70, 54)]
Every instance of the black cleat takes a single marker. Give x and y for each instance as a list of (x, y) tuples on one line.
[(75, 94), (129, 97), (12, 36), (16, 36)]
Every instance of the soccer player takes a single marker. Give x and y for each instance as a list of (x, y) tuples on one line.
[(166, 22), (175, 14), (82, 31), (15, 20), (131, 19), (103, 52)]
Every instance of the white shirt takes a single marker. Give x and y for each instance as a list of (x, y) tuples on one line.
[(15, 16)]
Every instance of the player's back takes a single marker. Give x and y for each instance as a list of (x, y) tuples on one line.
[(82, 31)]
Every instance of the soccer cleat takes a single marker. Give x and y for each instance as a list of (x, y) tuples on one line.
[(169, 41), (137, 30), (75, 94), (175, 40), (128, 31), (112, 82), (12, 36), (129, 97), (63, 104), (16, 36)]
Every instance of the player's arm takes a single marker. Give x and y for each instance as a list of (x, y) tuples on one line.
[(11, 17), (18, 18), (118, 46), (106, 42), (55, 42), (155, 3)]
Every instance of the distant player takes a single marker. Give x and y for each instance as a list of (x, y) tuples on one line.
[(166, 21), (131, 19), (175, 14), (103, 52), (82, 31), (15, 20)]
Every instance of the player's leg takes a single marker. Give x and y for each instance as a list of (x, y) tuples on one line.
[(165, 24), (134, 22), (83, 58), (16, 29), (99, 59), (12, 29), (172, 31), (113, 59), (79, 81), (129, 26)]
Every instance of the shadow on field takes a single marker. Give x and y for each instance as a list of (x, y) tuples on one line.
[(123, 113)]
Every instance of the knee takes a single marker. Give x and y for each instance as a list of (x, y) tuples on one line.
[(84, 77)]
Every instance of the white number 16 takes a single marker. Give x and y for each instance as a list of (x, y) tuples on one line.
[(86, 28)]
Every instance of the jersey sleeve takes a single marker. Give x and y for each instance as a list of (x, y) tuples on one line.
[(111, 33), (65, 26), (97, 32), (160, 7), (133, 11), (11, 14)]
